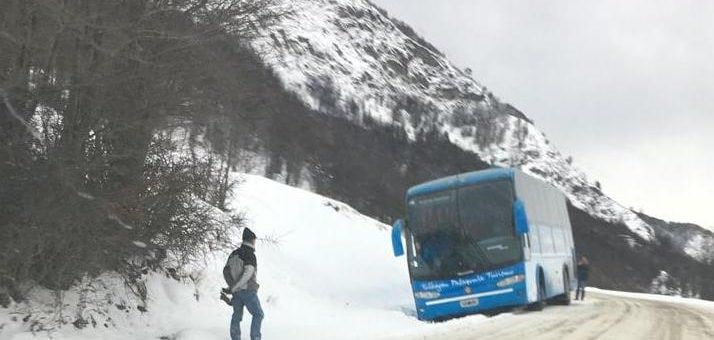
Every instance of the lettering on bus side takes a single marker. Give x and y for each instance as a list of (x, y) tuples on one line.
[(480, 278), (434, 285), (467, 282)]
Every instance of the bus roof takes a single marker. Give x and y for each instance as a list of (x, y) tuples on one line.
[(460, 180)]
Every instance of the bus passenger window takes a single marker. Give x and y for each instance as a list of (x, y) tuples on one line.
[(535, 241)]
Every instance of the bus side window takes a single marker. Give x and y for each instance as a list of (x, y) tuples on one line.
[(535, 240), (558, 238), (546, 240)]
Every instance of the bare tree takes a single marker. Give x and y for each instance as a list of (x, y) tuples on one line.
[(87, 183)]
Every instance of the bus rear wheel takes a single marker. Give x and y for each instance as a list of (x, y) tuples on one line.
[(540, 304), (564, 299)]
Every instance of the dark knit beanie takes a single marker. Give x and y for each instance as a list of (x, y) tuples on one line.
[(248, 235)]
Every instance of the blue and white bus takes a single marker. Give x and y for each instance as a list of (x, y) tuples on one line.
[(486, 240)]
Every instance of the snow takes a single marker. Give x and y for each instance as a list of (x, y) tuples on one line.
[(701, 247), (326, 272), (351, 48), (603, 315), (660, 285), (691, 302), (116, 219), (139, 244)]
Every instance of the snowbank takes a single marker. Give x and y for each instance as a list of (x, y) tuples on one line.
[(691, 302), (326, 272)]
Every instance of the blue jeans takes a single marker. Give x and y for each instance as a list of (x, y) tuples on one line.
[(580, 291), (249, 299)]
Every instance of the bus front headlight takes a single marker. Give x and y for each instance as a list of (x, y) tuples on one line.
[(511, 280), (426, 295)]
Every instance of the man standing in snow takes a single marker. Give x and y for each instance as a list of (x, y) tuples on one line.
[(241, 270), (583, 273)]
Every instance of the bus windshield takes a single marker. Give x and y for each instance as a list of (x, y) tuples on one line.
[(462, 231)]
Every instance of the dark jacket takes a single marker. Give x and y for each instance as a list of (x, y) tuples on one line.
[(246, 254), (583, 272)]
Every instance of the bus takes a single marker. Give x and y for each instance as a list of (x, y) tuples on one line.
[(486, 240)]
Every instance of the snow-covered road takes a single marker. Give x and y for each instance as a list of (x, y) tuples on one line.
[(604, 315)]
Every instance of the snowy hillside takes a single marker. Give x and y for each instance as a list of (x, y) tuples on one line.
[(347, 57), (326, 272), (694, 241)]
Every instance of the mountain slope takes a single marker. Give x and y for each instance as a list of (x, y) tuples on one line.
[(325, 272), (348, 59), (691, 239)]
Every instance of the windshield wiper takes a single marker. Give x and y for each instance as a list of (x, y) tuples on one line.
[(480, 254)]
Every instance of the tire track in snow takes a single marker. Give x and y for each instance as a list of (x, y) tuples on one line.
[(600, 317)]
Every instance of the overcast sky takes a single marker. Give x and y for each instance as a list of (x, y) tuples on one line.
[(625, 87)]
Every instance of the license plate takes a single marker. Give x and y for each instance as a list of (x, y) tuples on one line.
[(469, 303)]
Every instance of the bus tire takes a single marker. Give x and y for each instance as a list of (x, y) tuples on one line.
[(540, 304), (564, 299)]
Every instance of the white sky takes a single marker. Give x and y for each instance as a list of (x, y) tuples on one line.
[(626, 87)]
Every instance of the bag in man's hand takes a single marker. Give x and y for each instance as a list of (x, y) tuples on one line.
[(225, 297)]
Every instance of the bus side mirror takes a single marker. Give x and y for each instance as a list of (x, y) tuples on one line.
[(397, 238), (520, 217)]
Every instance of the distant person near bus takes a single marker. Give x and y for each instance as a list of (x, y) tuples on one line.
[(583, 273)]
